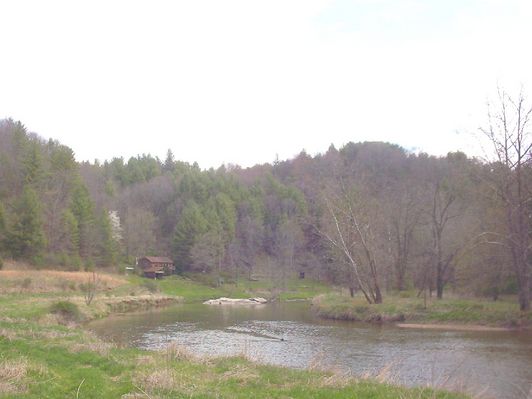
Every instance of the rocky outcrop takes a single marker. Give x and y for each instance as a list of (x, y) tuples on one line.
[(236, 301)]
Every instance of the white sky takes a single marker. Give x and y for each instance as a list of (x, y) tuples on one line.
[(241, 81)]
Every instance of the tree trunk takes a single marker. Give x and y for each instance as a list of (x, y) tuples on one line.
[(400, 280), (439, 282), (524, 293), (378, 295)]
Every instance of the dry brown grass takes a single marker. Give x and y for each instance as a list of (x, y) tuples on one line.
[(41, 281), (12, 374), (241, 373), (163, 379), (338, 379), (8, 334), (316, 363), (53, 334), (174, 351), (92, 343), (100, 347), (33, 334), (145, 360), (335, 377), (134, 396)]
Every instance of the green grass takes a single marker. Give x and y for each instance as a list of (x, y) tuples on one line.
[(192, 290), (448, 310), (189, 290)]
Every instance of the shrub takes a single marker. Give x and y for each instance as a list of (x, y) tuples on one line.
[(73, 263), (406, 294), (51, 259), (150, 286), (89, 265), (38, 261), (64, 259), (67, 310), (509, 287), (362, 309), (1, 264)]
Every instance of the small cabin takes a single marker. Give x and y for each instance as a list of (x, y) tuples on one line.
[(156, 266)]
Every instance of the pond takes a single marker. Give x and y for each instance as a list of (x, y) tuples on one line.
[(490, 364)]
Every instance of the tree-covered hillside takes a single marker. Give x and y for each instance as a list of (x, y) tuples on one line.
[(370, 216)]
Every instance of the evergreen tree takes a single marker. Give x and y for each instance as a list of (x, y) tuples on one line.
[(226, 211), (82, 209), (33, 165), (70, 233), (190, 227), (108, 244), (25, 238), (169, 163)]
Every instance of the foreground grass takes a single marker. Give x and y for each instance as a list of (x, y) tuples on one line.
[(45, 352), (452, 311)]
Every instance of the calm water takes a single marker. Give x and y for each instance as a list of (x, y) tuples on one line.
[(496, 364)]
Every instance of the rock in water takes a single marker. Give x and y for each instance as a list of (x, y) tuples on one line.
[(236, 301)]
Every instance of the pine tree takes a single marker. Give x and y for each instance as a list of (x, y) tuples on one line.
[(169, 163), (33, 168), (82, 209), (70, 233), (108, 244), (191, 226), (25, 238)]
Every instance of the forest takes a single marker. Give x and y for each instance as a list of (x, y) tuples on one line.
[(370, 216)]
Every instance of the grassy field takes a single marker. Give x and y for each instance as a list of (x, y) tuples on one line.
[(196, 288), (476, 311), (46, 353)]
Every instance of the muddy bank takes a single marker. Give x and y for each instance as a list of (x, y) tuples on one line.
[(452, 327)]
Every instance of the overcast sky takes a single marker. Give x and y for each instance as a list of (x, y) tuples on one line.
[(241, 81)]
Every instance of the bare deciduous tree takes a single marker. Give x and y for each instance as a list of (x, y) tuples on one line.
[(508, 131), (90, 288), (440, 216), (353, 234)]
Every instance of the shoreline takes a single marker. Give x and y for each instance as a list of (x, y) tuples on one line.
[(453, 314), (454, 327)]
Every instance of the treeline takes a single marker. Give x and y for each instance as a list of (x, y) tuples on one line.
[(47, 214), (370, 216)]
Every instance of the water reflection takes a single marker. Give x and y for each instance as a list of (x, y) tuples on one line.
[(496, 363)]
